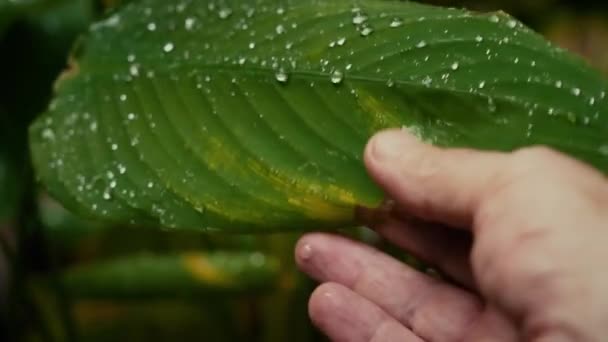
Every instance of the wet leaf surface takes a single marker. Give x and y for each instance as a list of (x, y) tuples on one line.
[(253, 115)]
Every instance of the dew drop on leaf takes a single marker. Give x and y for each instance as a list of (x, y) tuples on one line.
[(280, 29), (336, 77), (455, 66), (48, 134), (151, 26), (134, 70), (359, 18), (168, 47), (576, 91), (281, 76), (224, 12), (189, 23), (396, 22), (421, 44), (366, 31), (427, 81)]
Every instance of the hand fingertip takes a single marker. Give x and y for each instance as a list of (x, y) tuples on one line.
[(387, 145), (323, 302), (303, 250)]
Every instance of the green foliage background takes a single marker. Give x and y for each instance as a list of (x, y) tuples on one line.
[(65, 279)]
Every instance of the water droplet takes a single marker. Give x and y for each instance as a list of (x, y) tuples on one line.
[(122, 169), (189, 23), (281, 76), (512, 23), (151, 26), (131, 58), (396, 22), (592, 101), (224, 13), (113, 184), (93, 126), (576, 91), (48, 134), (421, 44), (341, 41), (252, 45), (114, 147), (349, 66), (558, 84), (366, 31), (482, 85), (455, 66), (479, 39), (134, 70), (359, 18), (427, 81), (150, 185), (280, 11), (336, 77), (604, 150), (107, 196), (494, 18), (390, 83), (123, 97), (168, 47), (280, 29), (131, 116)]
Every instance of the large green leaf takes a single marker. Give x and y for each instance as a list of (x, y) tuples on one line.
[(252, 115)]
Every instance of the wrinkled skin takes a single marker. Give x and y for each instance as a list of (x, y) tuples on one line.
[(523, 235)]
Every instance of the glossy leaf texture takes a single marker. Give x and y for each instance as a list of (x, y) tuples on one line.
[(253, 115), (184, 275)]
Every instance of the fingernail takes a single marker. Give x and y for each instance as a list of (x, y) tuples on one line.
[(305, 252), (389, 145)]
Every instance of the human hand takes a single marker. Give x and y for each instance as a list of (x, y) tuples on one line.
[(524, 234)]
